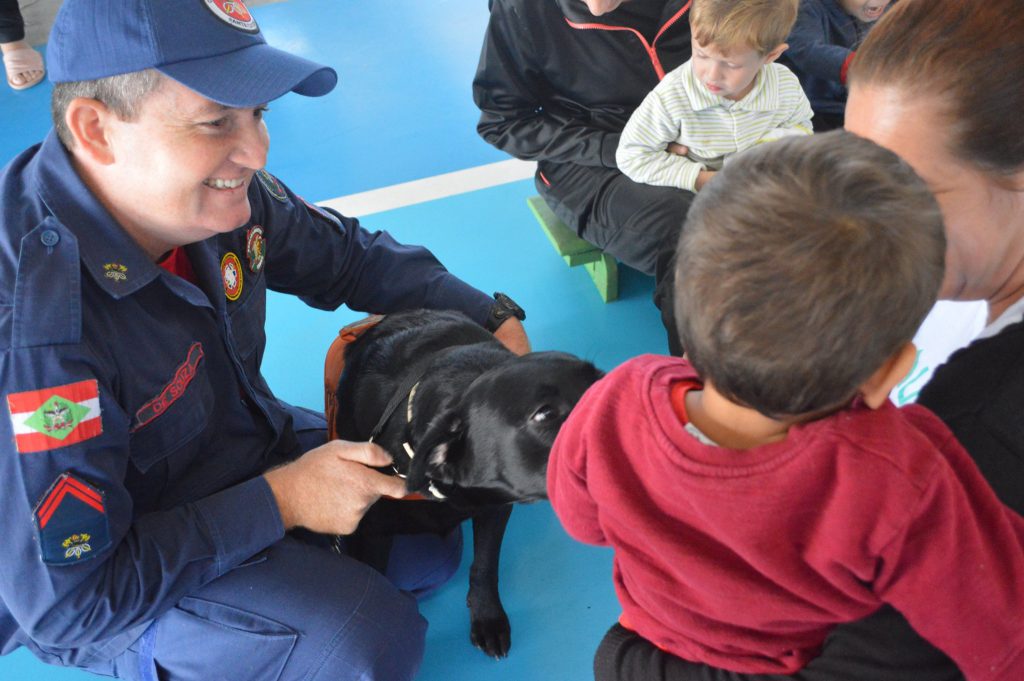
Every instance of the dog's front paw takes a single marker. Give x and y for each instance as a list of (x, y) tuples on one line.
[(493, 634)]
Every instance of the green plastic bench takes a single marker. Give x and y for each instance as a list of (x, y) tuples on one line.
[(602, 268)]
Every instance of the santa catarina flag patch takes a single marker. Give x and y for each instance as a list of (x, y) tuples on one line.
[(55, 417)]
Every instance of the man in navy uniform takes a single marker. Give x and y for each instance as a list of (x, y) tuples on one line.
[(150, 475)]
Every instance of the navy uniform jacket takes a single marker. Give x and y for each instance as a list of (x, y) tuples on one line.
[(138, 422)]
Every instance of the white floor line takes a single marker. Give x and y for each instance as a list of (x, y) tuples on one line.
[(431, 188)]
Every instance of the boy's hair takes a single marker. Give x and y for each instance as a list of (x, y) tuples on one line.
[(802, 267), (759, 24)]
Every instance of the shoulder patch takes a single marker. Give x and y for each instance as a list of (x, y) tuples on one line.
[(271, 184), (71, 520), (55, 417)]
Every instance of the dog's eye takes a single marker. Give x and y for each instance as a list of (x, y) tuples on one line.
[(543, 414)]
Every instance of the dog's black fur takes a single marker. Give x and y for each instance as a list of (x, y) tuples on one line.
[(483, 422)]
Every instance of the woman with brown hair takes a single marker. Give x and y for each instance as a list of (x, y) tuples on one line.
[(939, 83)]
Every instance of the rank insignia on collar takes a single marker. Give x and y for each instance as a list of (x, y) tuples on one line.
[(255, 248), (115, 271), (55, 417), (231, 274), (71, 520), (271, 184)]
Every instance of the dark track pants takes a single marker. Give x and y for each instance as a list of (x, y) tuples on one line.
[(12, 26), (881, 647), (636, 223)]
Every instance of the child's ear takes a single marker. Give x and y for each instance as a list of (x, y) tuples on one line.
[(776, 53), (875, 391)]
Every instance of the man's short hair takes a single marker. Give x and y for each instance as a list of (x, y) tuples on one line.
[(761, 25), (123, 94), (803, 266)]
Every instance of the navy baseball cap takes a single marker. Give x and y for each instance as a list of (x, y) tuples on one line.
[(211, 46)]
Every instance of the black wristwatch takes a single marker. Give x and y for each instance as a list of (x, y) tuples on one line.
[(503, 308)]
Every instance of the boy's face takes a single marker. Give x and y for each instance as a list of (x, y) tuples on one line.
[(865, 10), (729, 74)]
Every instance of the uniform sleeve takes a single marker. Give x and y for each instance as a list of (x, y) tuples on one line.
[(328, 260), (567, 474), (515, 115), (955, 571), (642, 154), (81, 564), (809, 49)]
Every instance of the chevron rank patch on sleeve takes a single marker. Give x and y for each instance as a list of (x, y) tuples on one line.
[(71, 519)]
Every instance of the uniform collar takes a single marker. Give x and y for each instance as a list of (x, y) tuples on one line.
[(116, 262), (763, 97)]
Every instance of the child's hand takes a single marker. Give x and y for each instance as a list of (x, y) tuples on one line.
[(677, 149)]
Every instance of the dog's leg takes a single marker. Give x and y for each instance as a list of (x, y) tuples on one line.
[(489, 627)]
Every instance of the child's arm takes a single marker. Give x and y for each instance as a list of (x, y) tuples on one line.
[(809, 48), (956, 571), (794, 108), (643, 154), (567, 480)]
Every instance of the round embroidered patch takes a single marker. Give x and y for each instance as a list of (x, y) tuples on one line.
[(271, 184), (234, 13), (255, 248), (231, 274)]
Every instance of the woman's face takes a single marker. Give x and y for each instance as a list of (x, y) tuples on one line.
[(984, 217)]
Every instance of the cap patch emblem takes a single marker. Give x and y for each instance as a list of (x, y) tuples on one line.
[(71, 520), (271, 184), (255, 248), (55, 417), (115, 271), (231, 273), (234, 13)]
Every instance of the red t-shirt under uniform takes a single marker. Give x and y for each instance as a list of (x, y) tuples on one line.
[(745, 559)]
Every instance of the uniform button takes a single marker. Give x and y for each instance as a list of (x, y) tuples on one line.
[(49, 238)]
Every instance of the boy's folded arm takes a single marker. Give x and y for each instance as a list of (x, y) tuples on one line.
[(643, 154), (956, 571), (567, 485)]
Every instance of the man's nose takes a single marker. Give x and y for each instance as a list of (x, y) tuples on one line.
[(251, 146)]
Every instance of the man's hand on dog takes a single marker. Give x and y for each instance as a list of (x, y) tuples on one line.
[(513, 336), (330, 488)]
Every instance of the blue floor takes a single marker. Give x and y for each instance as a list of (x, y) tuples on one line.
[(403, 111)]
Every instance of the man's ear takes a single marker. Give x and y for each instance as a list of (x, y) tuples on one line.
[(776, 53), (89, 123), (875, 391)]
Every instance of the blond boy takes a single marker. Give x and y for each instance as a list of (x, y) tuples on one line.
[(728, 97)]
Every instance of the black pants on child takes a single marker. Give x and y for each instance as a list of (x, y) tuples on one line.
[(638, 224), (12, 26), (881, 647)]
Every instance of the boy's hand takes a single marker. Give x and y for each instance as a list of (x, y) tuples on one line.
[(330, 488), (677, 149)]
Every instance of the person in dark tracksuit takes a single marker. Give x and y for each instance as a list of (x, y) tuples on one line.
[(151, 477), (556, 83)]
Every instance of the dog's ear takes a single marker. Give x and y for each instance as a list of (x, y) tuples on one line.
[(437, 450)]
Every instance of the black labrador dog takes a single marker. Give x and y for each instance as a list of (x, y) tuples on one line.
[(469, 425)]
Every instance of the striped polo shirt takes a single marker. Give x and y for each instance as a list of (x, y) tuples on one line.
[(680, 109)]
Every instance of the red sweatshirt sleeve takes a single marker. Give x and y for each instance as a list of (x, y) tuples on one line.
[(956, 570), (567, 471)]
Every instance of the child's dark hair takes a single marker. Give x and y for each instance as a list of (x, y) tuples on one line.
[(803, 266)]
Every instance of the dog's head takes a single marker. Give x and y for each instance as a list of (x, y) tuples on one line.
[(492, 446)]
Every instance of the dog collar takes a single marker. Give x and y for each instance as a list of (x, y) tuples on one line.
[(434, 492)]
